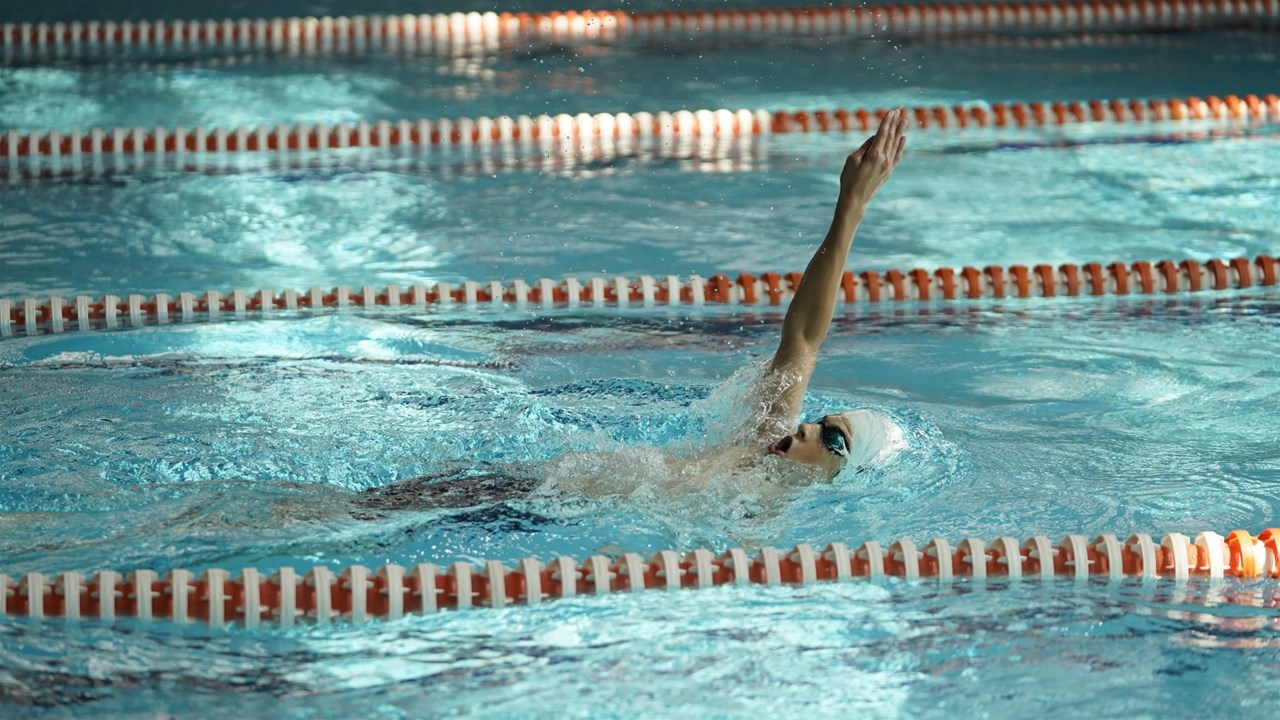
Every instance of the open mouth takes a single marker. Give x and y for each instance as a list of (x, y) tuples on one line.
[(782, 446)]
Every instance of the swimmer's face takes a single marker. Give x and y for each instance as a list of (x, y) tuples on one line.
[(806, 444)]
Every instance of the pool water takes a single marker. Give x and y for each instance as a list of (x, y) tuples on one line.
[(246, 444)]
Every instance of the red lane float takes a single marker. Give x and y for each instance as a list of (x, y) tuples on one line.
[(466, 33), (33, 316), (357, 594), (604, 133)]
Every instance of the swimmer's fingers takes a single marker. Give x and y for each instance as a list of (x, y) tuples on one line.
[(886, 138), (857, 155), (894, 127), (868, 167), (885, 134), (890, 139), (853, 166), (899, 134), (902, 136)]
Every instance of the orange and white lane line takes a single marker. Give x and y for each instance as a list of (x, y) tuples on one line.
[(601, 135), (466, 33), (357, 594), (38, 316), (699, 155)]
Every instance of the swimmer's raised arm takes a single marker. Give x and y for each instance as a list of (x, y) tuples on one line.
[(809, 315)]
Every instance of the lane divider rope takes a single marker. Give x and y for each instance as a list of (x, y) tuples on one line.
[(463, 33), (604, 132), (357, 594), (33, 316), (743, 155)]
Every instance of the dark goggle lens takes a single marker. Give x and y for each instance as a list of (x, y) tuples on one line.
[(833, 440)]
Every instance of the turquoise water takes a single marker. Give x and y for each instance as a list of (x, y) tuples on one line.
[(243, 445), (246, 444)]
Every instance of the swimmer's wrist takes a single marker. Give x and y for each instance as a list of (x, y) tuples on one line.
[(850, 207)]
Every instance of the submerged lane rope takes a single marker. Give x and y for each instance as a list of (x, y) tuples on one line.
[(357, 594), (36, 316)]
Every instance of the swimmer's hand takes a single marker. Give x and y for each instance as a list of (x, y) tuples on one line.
[(868, 167)]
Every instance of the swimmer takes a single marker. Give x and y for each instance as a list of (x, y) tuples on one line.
[(772, 449), (771, 445), (851, 438)]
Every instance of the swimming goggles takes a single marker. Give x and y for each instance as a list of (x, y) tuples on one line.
[(833, 440)]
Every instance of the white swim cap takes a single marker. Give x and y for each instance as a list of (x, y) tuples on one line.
[(876, 438)]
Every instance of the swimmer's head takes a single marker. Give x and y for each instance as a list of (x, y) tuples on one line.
[(824, 444), (857, 438)]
